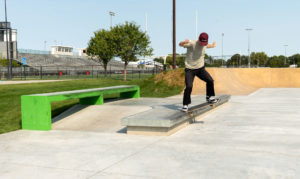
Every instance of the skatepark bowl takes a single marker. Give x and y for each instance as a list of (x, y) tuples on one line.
[(254, 135)]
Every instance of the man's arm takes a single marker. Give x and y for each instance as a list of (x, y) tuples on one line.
[(184, 43), (212, 45)]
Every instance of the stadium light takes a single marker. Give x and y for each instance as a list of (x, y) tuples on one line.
[(249, 54), (111, 14)]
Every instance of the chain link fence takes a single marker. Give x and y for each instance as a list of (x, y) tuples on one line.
[(76, 72)]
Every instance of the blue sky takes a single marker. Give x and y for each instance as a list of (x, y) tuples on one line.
[(72, 22)]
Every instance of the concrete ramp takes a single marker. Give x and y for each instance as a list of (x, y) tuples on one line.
[(243, 81)]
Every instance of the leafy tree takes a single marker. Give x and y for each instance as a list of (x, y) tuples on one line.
[(234, 60), (216, 63), (159, 60), (131, 42), (180, 60), (294, 59), (102, 47), (277, 61), (244, 60), (259, 58)]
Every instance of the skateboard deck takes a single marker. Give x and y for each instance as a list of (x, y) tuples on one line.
[(194, 108)]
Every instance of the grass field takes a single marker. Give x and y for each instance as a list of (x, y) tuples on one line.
[(10, 95)]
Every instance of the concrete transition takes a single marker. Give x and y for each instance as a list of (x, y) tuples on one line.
[(243, 81)]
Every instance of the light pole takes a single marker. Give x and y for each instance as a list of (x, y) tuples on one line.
[(8, 47), (45, 45), (285, 53), (146, 16), (174, 34), (111, 14), (222, 49), (249, 54)]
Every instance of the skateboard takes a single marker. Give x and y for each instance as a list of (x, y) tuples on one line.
[(214, 104), (194, 108)]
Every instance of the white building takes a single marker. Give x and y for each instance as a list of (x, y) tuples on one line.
[(5, 29), (82, 52), (61, 50)]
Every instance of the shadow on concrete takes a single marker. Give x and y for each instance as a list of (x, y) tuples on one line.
[(173, 107), (122, 131), (74, 109)]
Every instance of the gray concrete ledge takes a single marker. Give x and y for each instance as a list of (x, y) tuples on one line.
[(166, 119)]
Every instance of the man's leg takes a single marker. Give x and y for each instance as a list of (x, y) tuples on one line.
[(205, 76), (189, 79)]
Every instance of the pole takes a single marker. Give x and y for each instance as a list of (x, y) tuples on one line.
[(111, 14), (285, 54), (174, 34), (45, 45), (9, 62), (249, 54), (146, 16), (222, 48)]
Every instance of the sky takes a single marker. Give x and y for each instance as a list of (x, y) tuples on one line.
[(275, 23)]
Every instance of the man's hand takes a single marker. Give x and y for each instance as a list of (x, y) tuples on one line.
[(212, 45), (183, 43)]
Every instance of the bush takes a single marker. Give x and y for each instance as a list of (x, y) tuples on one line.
[(3, 62)]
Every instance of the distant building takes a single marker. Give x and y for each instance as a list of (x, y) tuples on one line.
[(61, 50), (5, 29), (82, 52)]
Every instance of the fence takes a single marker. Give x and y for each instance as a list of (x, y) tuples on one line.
[(75, 72)]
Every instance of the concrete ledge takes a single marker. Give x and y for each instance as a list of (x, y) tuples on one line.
[(159, 121)]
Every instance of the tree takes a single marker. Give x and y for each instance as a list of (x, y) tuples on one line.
[(259, 58), (3, 63), (277, 61), (131, 42), (102, 47), (180, 60), (159, 60), (294, 59)]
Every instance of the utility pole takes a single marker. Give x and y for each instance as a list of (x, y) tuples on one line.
[(285, 53), (174, 34), (249, 54), (111, 14), (222, 48)]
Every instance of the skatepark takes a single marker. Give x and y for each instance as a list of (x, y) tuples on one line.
[(254, 135)]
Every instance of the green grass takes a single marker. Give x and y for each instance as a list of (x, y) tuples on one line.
[(10, 95), (95, 76)]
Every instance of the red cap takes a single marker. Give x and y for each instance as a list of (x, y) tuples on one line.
[(203, 39)]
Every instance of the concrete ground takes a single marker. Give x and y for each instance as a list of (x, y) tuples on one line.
[(255, 136)]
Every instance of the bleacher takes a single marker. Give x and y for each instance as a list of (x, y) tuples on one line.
[(48, 61)]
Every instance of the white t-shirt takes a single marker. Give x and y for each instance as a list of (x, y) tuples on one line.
[(195, 55)]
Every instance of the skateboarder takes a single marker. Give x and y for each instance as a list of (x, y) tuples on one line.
[(195, 66)]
